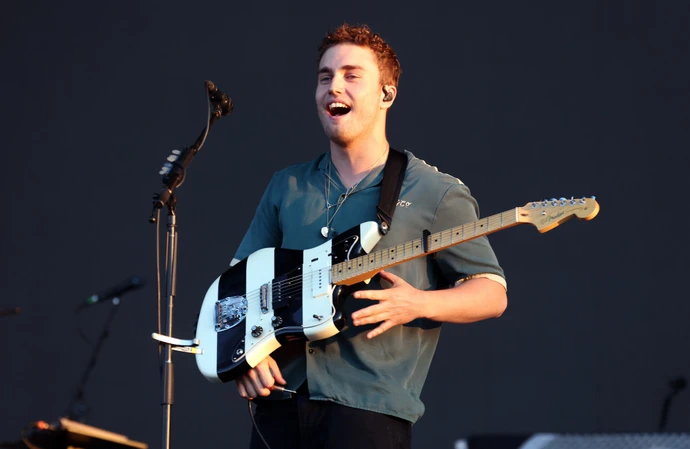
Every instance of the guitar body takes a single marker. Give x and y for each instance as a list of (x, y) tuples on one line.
[(272, 297)]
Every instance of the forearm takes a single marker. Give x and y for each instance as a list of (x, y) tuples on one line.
[(473, 300)]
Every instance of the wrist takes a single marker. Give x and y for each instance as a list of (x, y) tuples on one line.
[(427, 305)]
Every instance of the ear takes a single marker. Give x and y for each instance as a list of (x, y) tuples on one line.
[(388, 94)]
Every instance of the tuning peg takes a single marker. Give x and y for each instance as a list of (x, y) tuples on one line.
[(554, 202), (176, 152), (172, 158), (544, 203), (564, 201)]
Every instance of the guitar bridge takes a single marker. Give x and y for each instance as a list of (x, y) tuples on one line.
[(230, 312)]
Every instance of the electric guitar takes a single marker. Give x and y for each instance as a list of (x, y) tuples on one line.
[(279, 295)]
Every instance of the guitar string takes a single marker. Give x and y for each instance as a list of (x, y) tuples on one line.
[(254, 296)]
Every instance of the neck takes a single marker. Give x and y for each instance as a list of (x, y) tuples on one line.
[(355, 161)]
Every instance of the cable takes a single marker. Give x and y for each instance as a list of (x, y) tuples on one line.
[(80, 329), (251, 415)]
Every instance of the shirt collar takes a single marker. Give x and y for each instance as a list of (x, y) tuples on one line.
[(372, 179)]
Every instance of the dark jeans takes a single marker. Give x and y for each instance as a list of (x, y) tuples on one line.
[(300, 423)]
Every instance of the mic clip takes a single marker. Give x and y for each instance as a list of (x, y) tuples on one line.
[(222, 105)]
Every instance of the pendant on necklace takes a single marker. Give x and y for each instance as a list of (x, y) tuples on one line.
[(324, 232)]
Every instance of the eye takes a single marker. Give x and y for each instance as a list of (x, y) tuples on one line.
[(324, 78)]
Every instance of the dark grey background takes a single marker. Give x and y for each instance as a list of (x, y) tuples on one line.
[(520, 101)]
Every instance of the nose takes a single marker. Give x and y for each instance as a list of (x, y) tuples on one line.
[(336, 86)]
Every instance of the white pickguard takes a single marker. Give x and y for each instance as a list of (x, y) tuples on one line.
[(317, 292), (317, 305)]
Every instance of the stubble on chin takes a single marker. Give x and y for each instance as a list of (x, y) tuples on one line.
[(335, 134)]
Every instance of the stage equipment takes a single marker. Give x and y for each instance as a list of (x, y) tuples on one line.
[(675, 386), (174, 173), (66, 434), (77, 409), (10, 311), (115, 292), (577, 441)]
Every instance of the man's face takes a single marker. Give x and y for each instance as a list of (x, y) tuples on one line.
[(348, 93)]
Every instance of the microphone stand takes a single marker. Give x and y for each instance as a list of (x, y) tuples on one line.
[(174, 172), (78, 410), (676, 385)]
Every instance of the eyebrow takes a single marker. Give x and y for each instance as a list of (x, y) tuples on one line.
[(345, 67)]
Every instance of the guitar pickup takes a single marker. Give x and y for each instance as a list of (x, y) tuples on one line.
[(263, 298), (285, 287)]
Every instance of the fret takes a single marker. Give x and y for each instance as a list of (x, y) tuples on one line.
[(335, 275), (415, 248), (378, 260)]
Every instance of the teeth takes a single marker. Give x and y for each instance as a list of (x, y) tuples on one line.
[(338, 105)]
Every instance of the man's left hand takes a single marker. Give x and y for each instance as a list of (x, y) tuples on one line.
[(398, 304)]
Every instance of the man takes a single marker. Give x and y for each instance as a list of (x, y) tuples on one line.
[(361, 387)]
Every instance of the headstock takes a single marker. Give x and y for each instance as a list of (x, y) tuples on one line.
[(547, 214)]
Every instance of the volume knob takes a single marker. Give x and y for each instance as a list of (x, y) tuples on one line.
[(276, 321)]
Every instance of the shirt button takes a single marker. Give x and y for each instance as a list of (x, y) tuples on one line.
[(311, 351)]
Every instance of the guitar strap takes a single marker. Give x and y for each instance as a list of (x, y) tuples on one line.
[(393, 175)]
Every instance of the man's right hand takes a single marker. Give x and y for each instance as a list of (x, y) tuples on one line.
[(259, 380)]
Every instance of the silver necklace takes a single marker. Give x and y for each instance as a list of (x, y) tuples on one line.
[(326, 230)]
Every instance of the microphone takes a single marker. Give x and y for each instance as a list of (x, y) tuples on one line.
[(132, 283), (219, 98)]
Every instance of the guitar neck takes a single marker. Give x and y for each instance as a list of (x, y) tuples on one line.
[(365, 267)]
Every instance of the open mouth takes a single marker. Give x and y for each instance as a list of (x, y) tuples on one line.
[(336, 109)]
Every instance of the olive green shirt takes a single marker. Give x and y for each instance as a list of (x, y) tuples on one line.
[(384, 374)]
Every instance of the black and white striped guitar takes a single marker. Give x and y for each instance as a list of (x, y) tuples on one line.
[(278, 295)]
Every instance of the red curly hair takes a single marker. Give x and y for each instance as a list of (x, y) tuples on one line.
[(361, 35)]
